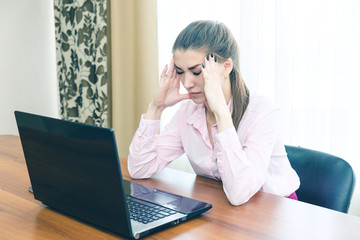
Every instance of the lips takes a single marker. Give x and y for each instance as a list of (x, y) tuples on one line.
[(194, 94)]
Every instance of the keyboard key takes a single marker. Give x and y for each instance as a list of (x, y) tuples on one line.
[(146, 212)]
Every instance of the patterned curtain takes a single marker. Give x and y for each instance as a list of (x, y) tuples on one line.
[(82, 66)]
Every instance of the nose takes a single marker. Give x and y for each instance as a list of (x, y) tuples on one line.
[(188, 81)]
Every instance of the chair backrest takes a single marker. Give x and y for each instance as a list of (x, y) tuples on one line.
[(325, 180)]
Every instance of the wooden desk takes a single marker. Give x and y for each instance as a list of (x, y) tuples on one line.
[(265, 216)]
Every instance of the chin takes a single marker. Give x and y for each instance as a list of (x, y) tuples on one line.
[(198, 100)]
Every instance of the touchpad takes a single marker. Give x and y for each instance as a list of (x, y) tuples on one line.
[(159, 197), (173, 201), (148, 193)]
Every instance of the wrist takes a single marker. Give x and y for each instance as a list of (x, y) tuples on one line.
[(223, 119), (153, 112)]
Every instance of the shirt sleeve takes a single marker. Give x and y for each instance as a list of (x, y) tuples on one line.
[(243, 167), (149, 151)]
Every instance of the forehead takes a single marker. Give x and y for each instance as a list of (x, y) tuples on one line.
[(188, 58)]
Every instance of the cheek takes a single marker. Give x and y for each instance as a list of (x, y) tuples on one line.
[(201, 81)]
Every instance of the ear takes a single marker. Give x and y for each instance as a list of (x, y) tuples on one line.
[(228, 66)]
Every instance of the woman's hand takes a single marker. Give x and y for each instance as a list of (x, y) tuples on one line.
[(167, 94), (217, 91), (213, 73)]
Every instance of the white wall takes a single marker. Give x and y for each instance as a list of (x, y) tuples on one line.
[(27, 60)]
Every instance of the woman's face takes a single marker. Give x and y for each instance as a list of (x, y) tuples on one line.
[(188, 65)]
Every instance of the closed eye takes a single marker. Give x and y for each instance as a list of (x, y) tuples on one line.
[(196, 74), (179, 72)]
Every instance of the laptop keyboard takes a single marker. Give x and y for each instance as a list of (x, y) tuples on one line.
[(146, 212)]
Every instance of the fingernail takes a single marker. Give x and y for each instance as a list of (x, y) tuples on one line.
[(207, 57), (203, 66), (215, 59), (212, 55)]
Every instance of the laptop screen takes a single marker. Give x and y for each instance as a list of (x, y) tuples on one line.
[(74, 168)]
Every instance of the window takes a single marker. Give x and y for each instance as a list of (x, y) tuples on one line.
[(303, 54)]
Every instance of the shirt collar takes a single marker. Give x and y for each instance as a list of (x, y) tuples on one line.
[(198, 117)]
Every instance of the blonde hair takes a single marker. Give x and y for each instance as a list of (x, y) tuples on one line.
[(214, 37)]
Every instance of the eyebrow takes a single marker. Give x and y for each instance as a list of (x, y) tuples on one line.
[(190, 68)]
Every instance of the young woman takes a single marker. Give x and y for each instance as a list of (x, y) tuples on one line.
[(226, 133)]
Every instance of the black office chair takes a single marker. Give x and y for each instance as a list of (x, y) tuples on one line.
[(325, 180)]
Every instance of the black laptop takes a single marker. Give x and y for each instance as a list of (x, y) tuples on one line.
[(74, 168)]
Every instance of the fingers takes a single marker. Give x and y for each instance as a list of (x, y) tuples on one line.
[(163, 73), (172, 69), (207, 66), (169, 71), (169, 74), (210, 60), (212, 66)]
